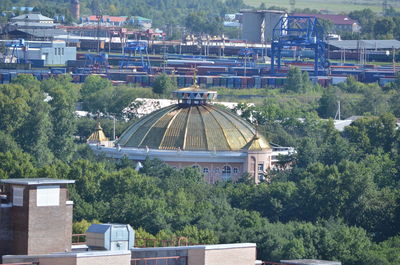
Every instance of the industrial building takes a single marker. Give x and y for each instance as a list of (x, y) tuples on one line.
[(32, 26), (258, 25), (40, 53), (32, 20), (196, 133)]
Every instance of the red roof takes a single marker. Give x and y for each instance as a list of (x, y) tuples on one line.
[(108, 18), (336, 19)]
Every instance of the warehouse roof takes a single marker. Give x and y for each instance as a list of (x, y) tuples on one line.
[(32, 17), (367, 44), (44, 33)]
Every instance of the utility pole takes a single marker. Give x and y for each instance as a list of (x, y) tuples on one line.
[(338, 114), (394, 60), (385, 7), (99, 17)]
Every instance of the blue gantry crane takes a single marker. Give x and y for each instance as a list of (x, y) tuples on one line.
[(130, 51), (299, 31), (98, 63)]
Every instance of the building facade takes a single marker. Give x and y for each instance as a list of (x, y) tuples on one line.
[(258, 25), (50, 53)]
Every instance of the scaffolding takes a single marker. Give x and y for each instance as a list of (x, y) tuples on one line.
[(299, 31)]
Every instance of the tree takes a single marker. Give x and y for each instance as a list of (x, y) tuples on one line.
[(294, 81), (163, 84), (328, 103), (93, 84), (383, 28), (64, 96), (35, 133)]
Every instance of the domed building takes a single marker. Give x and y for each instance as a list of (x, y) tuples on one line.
[(196, 133)]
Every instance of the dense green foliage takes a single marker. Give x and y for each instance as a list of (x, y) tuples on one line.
[(374, 26), (340, 200), (163, 84), (167, 14)]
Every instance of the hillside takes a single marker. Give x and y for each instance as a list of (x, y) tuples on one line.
[(333, 5)]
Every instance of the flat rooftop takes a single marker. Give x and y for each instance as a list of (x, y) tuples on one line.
[(36, 181), (311, 262)]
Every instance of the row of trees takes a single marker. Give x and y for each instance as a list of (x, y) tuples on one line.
[(340, 200), (374, 26)]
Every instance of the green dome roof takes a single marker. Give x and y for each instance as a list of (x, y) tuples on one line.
[(192, 128)]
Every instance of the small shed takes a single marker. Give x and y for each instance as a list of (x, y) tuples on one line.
[(110, 237)]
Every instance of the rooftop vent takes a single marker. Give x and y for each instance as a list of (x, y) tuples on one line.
[(110, 237)]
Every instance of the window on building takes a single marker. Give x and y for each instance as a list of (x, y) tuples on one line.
[(55, 51), (205, 170), (260, 167), (62, 51), (261, 176), (216, 170), (235, 170), (226, 170), (196, 167)]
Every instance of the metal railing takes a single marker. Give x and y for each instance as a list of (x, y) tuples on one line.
[(174, 260), (152, 242), (78, 239)]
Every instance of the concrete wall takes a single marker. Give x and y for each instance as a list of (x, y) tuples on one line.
[(224, 254), (50, 227), (251, 27), (124, 259), (271, 20), (234, 256)]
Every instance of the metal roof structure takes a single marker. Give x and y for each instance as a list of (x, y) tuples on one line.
[(43, 33), (36, 181), (31, 17), (98, 136), (364, 44), (193, 128)]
